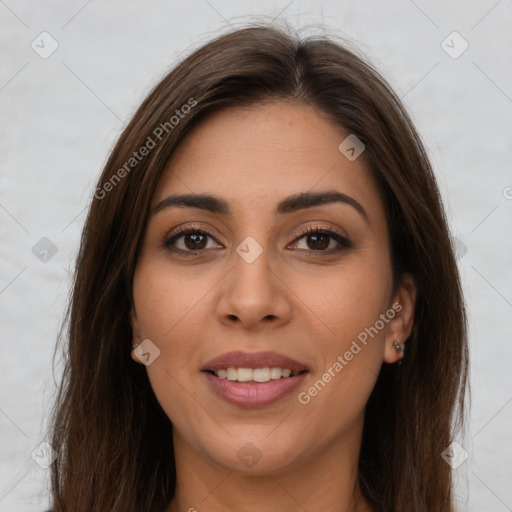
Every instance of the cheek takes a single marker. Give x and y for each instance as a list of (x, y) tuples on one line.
[(350, 308), (352, 355), (164, 300), (351, 298), (168, 312)]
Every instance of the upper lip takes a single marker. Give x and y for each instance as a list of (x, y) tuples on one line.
[(240, 359)]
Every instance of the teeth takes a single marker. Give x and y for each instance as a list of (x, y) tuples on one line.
[(244, 374), (260, 374), (276, 373), (257, 374)]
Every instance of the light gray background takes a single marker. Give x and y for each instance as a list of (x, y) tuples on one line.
[(60, 117)]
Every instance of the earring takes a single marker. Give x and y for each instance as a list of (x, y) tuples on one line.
[(400, 349)]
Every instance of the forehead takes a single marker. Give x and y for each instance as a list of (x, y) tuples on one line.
[(255, 156)]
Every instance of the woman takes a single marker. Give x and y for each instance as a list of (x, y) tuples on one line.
[(268, 241)]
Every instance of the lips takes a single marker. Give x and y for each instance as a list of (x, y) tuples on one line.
[(254, 360), (253, 393)]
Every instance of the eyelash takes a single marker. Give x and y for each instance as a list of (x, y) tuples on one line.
[(344, 242)]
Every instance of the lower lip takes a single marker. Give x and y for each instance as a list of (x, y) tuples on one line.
[(253, 394)]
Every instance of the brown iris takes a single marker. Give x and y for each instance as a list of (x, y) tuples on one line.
[(316, 242), (196, 242)]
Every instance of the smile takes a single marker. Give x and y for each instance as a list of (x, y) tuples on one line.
[(253, 379), (255, 374)]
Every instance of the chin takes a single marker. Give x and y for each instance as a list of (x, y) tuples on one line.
[(256, 454)]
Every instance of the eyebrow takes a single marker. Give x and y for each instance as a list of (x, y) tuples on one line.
[(290, 204)]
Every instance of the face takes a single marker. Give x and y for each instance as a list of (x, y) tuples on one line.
[(269, 281)]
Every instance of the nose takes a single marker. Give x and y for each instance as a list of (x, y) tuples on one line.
[(254, 297)]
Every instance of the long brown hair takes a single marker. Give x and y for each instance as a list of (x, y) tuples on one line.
[(114, 441)]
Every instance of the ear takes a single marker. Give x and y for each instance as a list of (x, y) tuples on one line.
[(135, 331), (400, 326)]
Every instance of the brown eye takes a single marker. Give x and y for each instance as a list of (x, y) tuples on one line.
[(188, 240), (321, 240)]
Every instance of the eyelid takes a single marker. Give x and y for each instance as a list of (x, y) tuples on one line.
[(313, 228), (170, 237), (340, 237)]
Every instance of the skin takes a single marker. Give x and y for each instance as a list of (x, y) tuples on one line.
[(294, 299)]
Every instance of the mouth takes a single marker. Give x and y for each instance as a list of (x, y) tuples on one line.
[(253, 380)]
